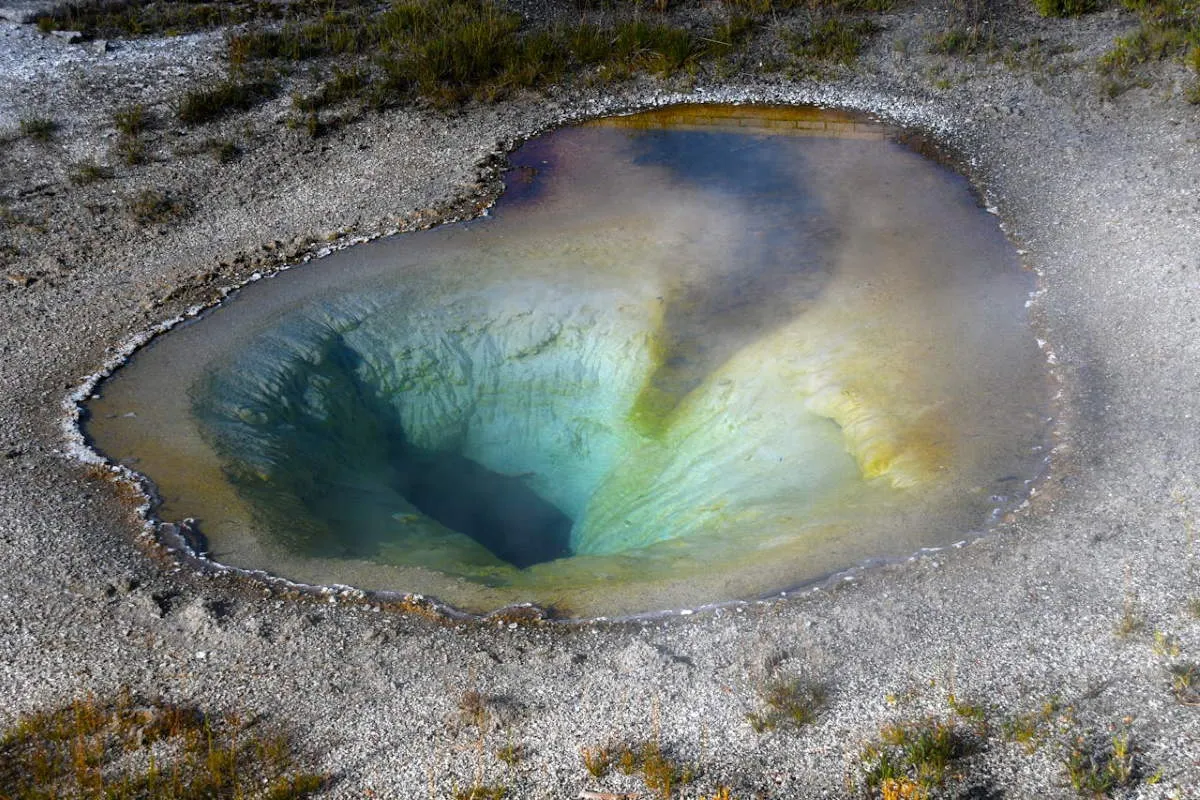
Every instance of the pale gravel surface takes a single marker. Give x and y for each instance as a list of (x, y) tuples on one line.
[(1102, 197)]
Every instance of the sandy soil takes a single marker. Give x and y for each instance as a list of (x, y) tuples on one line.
[(1099, 194)]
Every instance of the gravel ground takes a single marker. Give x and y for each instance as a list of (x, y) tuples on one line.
[(1099, 194)]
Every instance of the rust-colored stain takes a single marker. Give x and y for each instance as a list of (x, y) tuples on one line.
[(788, 120)]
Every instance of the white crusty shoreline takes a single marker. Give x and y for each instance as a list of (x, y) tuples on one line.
[(1099, 195)]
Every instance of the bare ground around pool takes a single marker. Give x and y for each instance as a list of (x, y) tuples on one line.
[(1052, 658)]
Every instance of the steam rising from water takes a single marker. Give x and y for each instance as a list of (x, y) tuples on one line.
[(678, 366)]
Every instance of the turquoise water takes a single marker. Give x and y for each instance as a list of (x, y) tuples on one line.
[(692, 356)]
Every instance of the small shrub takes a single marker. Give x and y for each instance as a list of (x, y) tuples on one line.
[(151, 206), (119, 18), (83, 173), (39, 129), (1064, 8), (1167, 29), (206, 105)]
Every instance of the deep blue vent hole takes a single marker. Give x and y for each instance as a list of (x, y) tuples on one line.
[(498, 511)]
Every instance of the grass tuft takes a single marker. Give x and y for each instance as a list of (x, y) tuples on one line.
[(39, 129), (131, 121), (481, 791), (1064, 8), (1129, 624), (660, 772), (85, 173), (1167, 29), (963, 40), (151, 206), (1031, 728), (1099, 770), (510, 754), (793, 704), (909, 760), (205, 105), (1185, 682), (834, 39), (596, 760)]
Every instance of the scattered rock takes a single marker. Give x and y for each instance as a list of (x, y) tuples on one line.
[(70, 37)]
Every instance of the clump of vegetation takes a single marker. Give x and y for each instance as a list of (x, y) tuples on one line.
[(1167, 29), (130, 123), (1097, 769), (442, 53), (150, 750), (1064, 8), (151, 206), (792, 704), (1165, 644), (909, 760), (223, 150), (510, 754), (39, 129), (963, 40), (205, 105), (833, 39), (1129, 624), (482, 791), (1185, 682), (974, 713), (661, 773), (135, 18), (1030, 729), (473, 708), (596, 760), (131, 120), (84, 173)]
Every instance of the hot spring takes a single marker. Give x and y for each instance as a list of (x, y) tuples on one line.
[(694, 355)]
